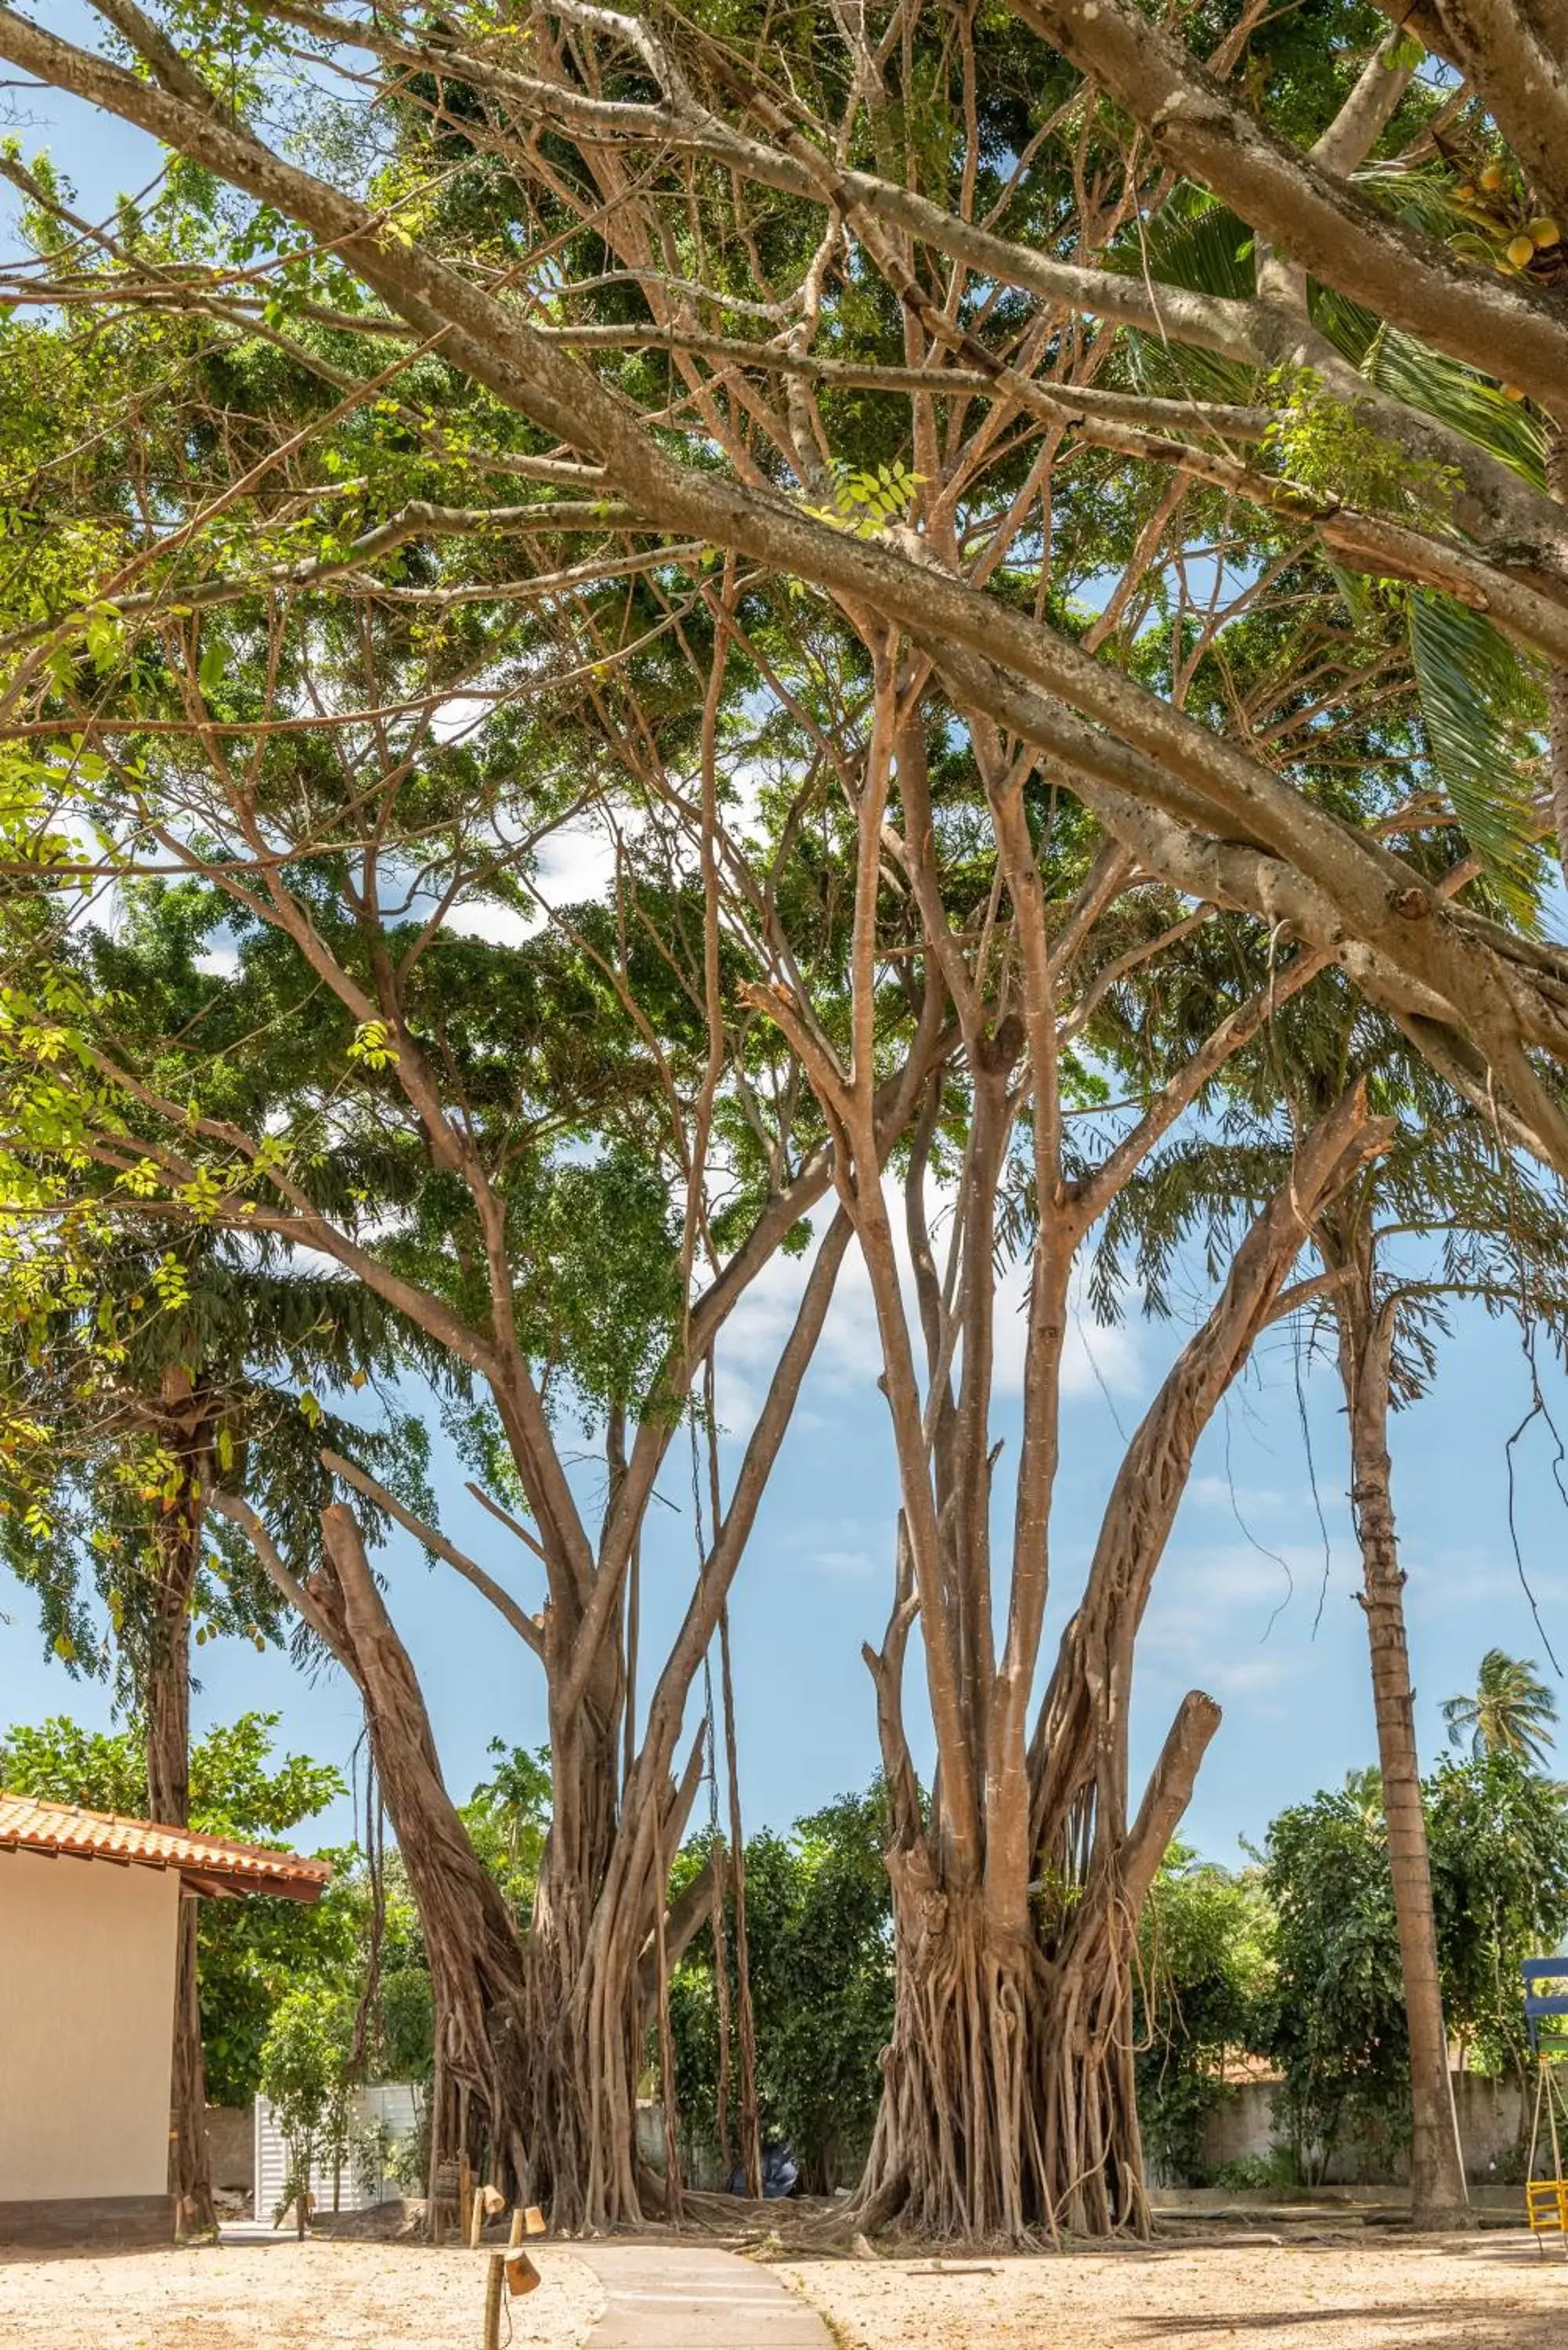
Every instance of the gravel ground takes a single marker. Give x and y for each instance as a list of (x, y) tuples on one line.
[(318, 2295), (1494, 2291)]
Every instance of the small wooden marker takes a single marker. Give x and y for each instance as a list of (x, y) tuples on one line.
[(516, 2236), (493, 2284), (476, 2220), (465, 2199)]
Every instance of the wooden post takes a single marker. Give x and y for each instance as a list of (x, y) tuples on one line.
[(476, 2220), (496, 2277), (516, 2236)]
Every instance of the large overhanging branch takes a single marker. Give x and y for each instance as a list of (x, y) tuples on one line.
[(1491, 502), (1400, 273), (270, 1558), (1502, 996), (1172, 835), (1520, 66)]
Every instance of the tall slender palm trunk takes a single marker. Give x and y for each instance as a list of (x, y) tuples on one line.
[(1438, 2196), (166, 1705), (1556, 453)]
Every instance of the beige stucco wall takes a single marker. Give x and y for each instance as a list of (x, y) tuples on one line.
[(86, 2008)]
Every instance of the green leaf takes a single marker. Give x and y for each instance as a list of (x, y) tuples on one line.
[(1481, 704)]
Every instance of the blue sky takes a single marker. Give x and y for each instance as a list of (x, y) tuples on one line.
[(1237, 1603), (103, 154)]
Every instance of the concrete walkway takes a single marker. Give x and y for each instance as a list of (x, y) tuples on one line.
[(691, 2297)]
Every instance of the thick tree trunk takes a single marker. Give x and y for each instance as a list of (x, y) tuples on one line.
[(540, 2036), (1008, 2108), (477, 1975), (585, 2018), (1438, 2196), (166, 1706)]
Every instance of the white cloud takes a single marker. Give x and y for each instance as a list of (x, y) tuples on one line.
[(1236, 1677), (1225, 1618), (460, 716), (844, 1547), (1211, 1492), (502, 926), (574, 864)]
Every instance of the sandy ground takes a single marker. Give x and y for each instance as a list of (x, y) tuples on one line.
[(1387, 2293), (291, 2296), (1384, 2292)]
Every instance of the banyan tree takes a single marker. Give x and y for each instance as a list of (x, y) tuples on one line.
[(859, 420), (1008, 2104)]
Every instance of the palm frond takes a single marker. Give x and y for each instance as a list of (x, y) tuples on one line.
[(1200, 244), (1426, 379), (1480, 706)]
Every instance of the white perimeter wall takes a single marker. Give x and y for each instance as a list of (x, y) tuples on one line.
[(395, 2107), (87, 2023)]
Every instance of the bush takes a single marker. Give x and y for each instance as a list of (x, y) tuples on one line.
[(304, 2062), (1274, 2172), (1205, 1942)]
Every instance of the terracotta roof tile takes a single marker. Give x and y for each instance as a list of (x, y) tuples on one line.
[(207, 1864)]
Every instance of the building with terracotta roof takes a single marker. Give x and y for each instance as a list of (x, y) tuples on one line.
[(90, 1906)]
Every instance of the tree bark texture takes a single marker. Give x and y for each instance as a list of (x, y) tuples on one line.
[(1473, 998), (1556, 452), (1439, 2195), (543, 2030)]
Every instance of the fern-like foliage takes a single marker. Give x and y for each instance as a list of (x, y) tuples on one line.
[(1482, 706)]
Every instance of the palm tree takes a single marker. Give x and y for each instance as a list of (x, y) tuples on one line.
[(161, 1371), (1510, 1710), (1498, 1240)]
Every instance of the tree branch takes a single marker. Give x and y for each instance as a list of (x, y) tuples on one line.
[(1400, 273), (1166, 1796), (374, 1491)]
